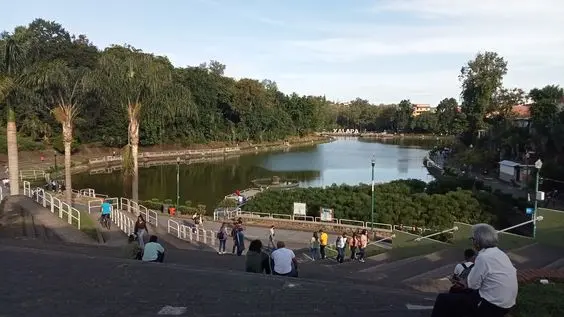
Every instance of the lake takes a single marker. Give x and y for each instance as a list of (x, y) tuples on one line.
[(346, 160)]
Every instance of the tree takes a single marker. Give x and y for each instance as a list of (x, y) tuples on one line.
[(451, 120), (481, 78), (545, 114), (133, 79), (11, 67), (403, 115)]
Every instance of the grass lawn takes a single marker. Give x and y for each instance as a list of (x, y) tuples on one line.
[(507, 241), (551, 229), (88, 226), (537, 300), (405, 246)]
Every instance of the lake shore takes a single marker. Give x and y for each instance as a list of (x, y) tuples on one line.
[(87, 153)]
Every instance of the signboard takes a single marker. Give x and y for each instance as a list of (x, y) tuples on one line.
[(326, 214), (529, 211), (299, 209)]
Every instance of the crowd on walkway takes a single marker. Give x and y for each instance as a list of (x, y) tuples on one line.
[(356, 244)]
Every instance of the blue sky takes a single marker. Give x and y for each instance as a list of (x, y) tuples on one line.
[(383, 51)]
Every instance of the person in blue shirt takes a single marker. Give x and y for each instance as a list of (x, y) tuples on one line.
[(106, 209)]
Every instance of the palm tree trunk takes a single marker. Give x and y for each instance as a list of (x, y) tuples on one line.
[(134, 139), (67, 138), (12, 141)]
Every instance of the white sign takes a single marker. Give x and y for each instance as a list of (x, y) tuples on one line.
[(299, 209), (326, 214)]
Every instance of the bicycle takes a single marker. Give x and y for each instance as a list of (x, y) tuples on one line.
[(105, 222)]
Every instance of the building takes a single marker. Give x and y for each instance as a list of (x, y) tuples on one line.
[(420, 108)]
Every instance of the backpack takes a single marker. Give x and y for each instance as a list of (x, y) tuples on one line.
[(464, 274), (221, 235)]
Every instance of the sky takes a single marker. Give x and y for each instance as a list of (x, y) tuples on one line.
[(380, 50)]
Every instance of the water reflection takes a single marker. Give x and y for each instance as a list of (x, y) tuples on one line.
[(343, 161)]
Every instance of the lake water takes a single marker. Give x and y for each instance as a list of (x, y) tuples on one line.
[(346, 160)]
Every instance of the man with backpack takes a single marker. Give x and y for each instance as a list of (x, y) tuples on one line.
[(461, 271)]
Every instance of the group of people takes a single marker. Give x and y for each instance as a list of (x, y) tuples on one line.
[(282, 261), (356, 243), (485, 284), (236, 234), (136, 247)]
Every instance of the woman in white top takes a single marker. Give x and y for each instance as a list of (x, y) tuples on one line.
[(493, 280)]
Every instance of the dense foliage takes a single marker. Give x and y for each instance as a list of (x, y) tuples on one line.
[(408, 202), (180, 104)]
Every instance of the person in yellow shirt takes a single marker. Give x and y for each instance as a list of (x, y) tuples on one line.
[(322, 243)]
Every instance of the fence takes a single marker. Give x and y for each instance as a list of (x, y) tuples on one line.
[(131, 206), (62, 209), (122, 221), (347, 222), (111, 158), (96, 204), (190, 233), (32, 174)]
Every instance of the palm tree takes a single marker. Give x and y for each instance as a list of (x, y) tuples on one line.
[(12, 57), (65, 113), (130, 77), (62, 86)]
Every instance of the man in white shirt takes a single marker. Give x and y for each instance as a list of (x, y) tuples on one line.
[(493, 280), (271, 237), (284, 261), (340, 245), (153, 251)]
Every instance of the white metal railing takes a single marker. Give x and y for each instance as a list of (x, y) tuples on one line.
[(225, 213), (133, 207), (345, 222), (122, 221), (428, 237), (58, 207), (189, 233), (32, 174), (1, 193), (95, 205), (539, 218)]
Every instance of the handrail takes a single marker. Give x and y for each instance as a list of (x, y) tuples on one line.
[(381, 240), (111, 158), (123, 222), (539, 218), (53, 203), (455, 228)]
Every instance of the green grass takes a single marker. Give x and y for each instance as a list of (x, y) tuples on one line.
[(551, 229), (537, 300), (87, 225), (405, 246)]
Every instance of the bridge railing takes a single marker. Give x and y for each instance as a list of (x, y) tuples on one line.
[(54, 204)]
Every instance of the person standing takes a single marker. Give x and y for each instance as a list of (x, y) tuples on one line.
[(340, 245), (222, 237), (140, 230), (314, 246), (363, 245), (271, 238), (240, 236), (352, 245), (322, 242)]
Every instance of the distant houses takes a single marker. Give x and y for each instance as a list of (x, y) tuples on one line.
[(420, 108)]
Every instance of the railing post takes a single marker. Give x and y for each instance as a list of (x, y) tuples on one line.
[(44, 199), (51, 203), (70, 214), (60, 206)]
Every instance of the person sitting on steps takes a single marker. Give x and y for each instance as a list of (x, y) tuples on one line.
[(153, 251), (492, 281), (461, 271)]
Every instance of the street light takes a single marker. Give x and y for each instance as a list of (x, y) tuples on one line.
[(177, 181), (538, 166), (372, 210)]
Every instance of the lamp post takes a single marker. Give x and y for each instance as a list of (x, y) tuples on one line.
[(177, 181), (373, 162), (538, 166)]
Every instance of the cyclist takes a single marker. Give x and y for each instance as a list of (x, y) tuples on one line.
[(106, 210)]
